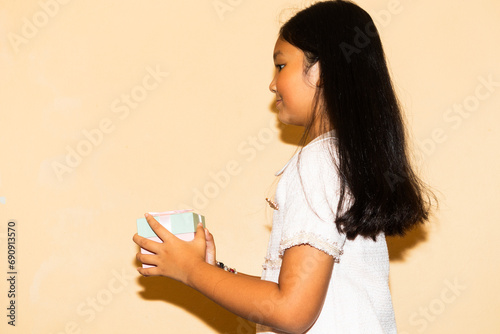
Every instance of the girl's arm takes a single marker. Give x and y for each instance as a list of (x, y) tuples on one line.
[(291, 305)]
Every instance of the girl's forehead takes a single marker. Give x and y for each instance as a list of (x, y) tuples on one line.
[(282, 47)]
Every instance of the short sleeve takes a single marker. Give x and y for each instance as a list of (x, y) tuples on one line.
[(310, 202)]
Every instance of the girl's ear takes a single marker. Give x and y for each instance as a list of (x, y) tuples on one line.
[(315, 75)]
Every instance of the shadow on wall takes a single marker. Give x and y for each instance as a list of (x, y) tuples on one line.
[(290, 134), (182, 296), (399, 246)]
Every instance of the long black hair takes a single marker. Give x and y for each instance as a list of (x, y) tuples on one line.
[(379, 191)]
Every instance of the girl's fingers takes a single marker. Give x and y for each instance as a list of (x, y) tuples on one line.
[(146, 258), (172, 257), (160, 231), (147, 244), (153, 271)]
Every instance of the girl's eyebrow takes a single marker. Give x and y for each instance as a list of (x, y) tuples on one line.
[(276, 54)]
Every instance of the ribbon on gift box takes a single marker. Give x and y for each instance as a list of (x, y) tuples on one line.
[(164, 217)]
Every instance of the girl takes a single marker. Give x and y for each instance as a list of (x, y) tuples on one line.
[(327, 265)]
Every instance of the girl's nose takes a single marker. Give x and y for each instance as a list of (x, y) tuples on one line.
[(272, 85)]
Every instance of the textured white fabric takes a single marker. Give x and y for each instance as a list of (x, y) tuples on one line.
[(358, 298)]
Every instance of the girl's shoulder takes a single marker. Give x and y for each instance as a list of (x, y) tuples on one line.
[(316, 159), (319, 153)]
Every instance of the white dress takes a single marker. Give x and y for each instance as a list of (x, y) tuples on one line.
[(358, 299)]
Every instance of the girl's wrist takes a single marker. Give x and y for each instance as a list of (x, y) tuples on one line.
[(194, 272), (225, 268)]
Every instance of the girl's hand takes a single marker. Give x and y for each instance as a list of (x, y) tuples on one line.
[(210, 248), (174, 257)]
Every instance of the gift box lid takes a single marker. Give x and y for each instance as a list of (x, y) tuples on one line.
[(177, 223)]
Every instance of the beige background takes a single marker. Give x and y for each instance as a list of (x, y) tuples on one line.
[(205, 136)]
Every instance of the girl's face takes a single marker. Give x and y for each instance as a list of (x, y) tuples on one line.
[(294, 89)]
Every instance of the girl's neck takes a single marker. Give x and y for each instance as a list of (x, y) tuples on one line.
[(317, 129)]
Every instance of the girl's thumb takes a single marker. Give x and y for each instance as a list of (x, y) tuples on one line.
[(200, 232)]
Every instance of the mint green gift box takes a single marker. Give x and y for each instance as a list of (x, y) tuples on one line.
[(177, 222)]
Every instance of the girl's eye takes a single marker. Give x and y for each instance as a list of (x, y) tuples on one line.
[(279, 66)]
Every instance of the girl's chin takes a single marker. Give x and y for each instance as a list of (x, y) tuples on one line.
[(282, 117), (285, 119)]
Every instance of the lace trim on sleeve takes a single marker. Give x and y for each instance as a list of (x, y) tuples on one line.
[(330, 248), (272, 263)]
